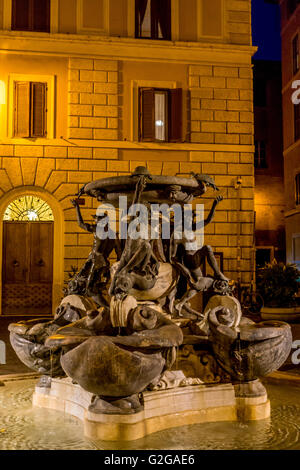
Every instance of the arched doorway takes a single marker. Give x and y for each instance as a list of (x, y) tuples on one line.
[(27, 257), (31, 238)]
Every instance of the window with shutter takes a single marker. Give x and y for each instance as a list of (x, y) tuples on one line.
[(30, 109), (41, 15), (20, 15), (160, 115), (153, 19), (31, 15)]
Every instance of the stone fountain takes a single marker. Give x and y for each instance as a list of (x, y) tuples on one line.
[(128, 351)]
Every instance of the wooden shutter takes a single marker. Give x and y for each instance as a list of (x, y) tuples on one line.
[(22, 109), (175, 115), (146, 114), (20, 15), (41, 15), (38, 109)]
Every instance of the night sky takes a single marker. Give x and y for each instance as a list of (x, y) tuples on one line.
[(266, 30)]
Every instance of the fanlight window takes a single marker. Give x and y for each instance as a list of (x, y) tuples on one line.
[(28, 208)]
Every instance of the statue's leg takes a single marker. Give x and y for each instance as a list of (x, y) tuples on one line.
[(171, 298), (207, 251), (90, 275), (187, 296)]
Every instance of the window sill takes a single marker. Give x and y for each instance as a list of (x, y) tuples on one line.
[(126, 144)]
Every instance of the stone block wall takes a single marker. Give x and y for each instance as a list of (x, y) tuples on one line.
[(221, 122), (238, 21), (221, 105), (93, 99)]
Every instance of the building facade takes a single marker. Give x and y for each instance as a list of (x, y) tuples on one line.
[(268, 163), (290, 34), (94, 88)]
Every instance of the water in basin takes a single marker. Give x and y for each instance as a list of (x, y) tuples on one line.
[(25, 427)]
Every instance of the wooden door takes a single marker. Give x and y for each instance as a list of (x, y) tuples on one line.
[(27, 271)]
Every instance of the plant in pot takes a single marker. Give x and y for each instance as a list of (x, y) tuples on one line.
[(278, 284)]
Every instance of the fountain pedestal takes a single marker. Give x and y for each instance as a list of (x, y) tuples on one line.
[(162, 409)]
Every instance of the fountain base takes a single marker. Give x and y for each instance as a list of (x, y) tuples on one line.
[(162, 409)]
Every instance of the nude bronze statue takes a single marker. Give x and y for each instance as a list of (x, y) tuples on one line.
[(95, 273), (189, 261), (117, 333), (138, 266)]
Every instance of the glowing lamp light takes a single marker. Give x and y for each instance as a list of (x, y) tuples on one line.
[(2, 92), (159, 123), (32, 215)]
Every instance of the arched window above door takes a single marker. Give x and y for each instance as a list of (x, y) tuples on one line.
[(28, 208)]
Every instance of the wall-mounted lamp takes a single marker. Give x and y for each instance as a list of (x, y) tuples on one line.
[(2, 92), (238, 184)]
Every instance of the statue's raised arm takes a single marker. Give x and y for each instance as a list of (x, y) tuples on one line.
[(85, 226)]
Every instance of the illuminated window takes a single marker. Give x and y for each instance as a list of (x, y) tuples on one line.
[(28, 208), (31, 110), (153, 19), (160, 113), (31, 15)]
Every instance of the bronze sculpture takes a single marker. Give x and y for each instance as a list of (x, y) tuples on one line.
[(121, 327)]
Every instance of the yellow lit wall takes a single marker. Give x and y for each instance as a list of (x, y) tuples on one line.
[(95, 117), (27, 64)]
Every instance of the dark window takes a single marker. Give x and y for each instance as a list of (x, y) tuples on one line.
[(160, 114), (263, 256), (297, 121), (31, 15), (30, 109), (297, 187), (153, 19), (295, 46), (291, 6), (260, 92), (260, 157)]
